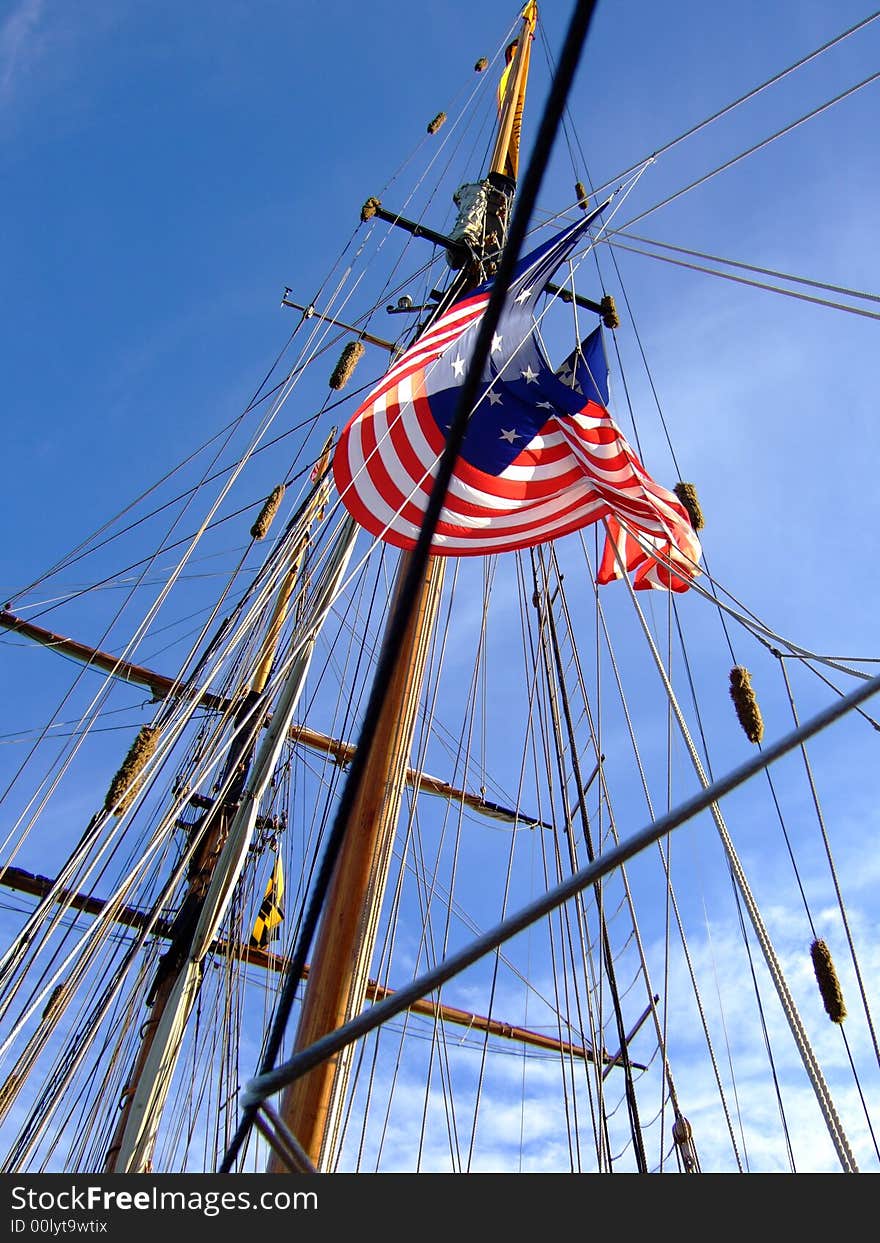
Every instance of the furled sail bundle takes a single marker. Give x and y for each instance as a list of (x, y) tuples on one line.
[(541, 456)]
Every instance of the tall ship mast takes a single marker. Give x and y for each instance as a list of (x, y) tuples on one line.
[(481, 824)]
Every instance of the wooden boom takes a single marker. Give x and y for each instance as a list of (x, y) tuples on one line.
[(162, 686)]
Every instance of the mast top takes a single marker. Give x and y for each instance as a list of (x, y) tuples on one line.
[(512, 96)]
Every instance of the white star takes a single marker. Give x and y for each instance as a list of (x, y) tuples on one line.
[(510, 436), (494, 398), (545, 405), (530, 377), (458, 367), (496, 343), (524, 296)]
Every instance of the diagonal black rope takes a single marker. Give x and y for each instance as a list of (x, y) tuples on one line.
[(397, 627), (264, 1085), (756, 90)]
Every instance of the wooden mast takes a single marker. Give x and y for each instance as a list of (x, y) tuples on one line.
[(311, 1107)]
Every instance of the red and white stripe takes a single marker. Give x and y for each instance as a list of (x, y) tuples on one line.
[(578, 470), (429, 346)]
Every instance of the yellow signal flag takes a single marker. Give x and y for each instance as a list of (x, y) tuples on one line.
[(271, 911)]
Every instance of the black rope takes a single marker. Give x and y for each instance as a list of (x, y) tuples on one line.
[(619, 854), (758, 146), (756, 90), (418, 561), (631, 1101)]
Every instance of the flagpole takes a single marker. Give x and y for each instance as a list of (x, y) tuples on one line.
[(311, 1107)]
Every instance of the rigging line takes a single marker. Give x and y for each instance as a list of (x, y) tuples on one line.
[(802, 1043), (818, 673), (423, 140), (840, 904), (748, 267), (82, 549), (660, 411), (785, 835), (557, 943), (398, 623), (268, 1082), (665, 863), (833, 870), (859, 660), (480, 660), (427, 895), (568, 132), (761, 1018), (11, 739), (424, 890), (427, 882), (604, 795), (742, 280), (749, 620), (109, 996), (787, 129), (61, 724), (90, 836), (443, 735), (144, 625), (632, 1104), (159, 757), (537, 707), (166, 504), (694, 129), (754, 625), (738, 908), (667, 920), (111, 579)]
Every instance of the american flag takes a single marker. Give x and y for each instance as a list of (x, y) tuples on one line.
[(541, 456)]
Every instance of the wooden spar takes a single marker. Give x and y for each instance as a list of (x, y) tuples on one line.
[(311, 1107), (133, 1158), (198, 922), (27, 882), (309, 312), (162, 686)]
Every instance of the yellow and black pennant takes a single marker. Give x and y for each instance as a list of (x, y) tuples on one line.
[(271, 911)]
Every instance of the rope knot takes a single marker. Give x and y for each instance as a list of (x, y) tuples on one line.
[(267, 514), (610, 318), (687, 494), (348, 360), (826, 978), (746, 704), (126, 784)]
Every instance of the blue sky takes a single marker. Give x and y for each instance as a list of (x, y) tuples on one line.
[(169, 169)]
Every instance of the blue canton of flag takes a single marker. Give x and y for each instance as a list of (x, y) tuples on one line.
[(541, 455)]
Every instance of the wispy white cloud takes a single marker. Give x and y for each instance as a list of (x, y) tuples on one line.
[(21, 45)]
